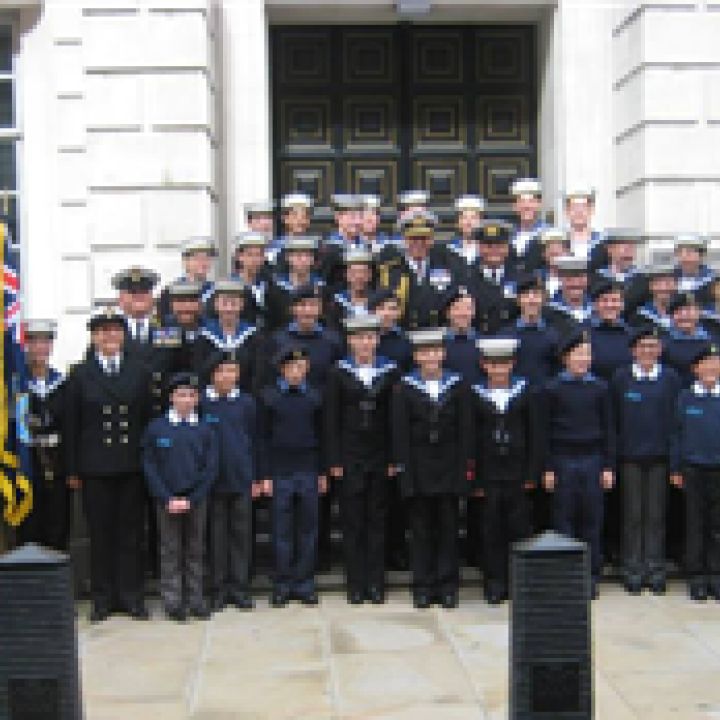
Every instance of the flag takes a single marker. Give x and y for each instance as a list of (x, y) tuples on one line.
[(15, 486)]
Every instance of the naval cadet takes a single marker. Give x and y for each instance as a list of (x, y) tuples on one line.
[(662, 285), (621, 245), (249, 267), (526, 249), (692, 273), (570, 308), (261, 217), (463, 255)]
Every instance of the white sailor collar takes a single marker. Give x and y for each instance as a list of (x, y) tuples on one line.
[(639, 374), (367, 374), (699, 390), (501, 398), (447, 381), (43, 387), (213, 395), (175, 419)]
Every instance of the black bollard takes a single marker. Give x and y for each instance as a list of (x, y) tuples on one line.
[(550, 641), (39, 676)]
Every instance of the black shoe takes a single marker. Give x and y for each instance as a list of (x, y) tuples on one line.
[(176, 614), (99, 613), (355, 597), (218, 602), (657, 587), (279, 599), (449, 600), (398, 560), (714, 591), (698, 593), (633, 587), (310, 598), (493, 597), (376, 595), (421, 601), (242, 601), (594, 590), (139, 612), (200, 612)]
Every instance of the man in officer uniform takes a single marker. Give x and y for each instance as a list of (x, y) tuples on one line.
[(198, 255), (347, 210), (184, 298), (107, 409), (570, 308), (49, 522), (417, 275), (526, 250), (370, 236), (296, 215)]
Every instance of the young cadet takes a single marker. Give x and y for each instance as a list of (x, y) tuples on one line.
[(49, 521), (554, 246), (198, 256), (370, 237), (417, 271), (685, 337), (621, 246), (300, 254), (249, 267), (492, 285), (412, 201), (463, 254), (504, 450), (394, 343), (644, 394), (526, 250), (180, 461), (232, 415), (570, 308), (695, 467), (461, 353), (107, 409), (609, 334), (352, 299), (261, 217), (692, 274), (427, 426), (662, 286), (536, 355), (346, 235), (291, 462), (580, 440), (228, 331), (583, 241), (357, 422)]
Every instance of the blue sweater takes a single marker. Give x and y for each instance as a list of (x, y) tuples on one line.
[(462, 356), (537, 355), (233, 418), (578, 418), (644, 411), (696, 440), (610, 348), (290, 429), (179, 460), (679, 349)]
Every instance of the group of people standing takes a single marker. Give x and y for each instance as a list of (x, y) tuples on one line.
[(531, 376)]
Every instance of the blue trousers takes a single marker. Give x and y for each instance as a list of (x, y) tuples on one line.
[(295, 531), (578, 502)]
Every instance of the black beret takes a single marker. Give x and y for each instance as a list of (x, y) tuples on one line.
[(707, 349), (305, 292), (571, 341), (379, 297), (680, 300), (183, 380), (219, 357), (455, 292), (644, 331), (529, 281), (602, 287), (290, 351)]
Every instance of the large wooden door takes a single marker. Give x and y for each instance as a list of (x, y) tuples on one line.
[(380, 109)]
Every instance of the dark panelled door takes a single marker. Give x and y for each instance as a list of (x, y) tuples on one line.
[(384, 108)]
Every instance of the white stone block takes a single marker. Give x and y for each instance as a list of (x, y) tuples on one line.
[(711, 89), (70, 229), (105, 264), (70, 122), (114, 100), (673, 208), (76, 284), (116, 219), (681, 36), (630, 159), (177, 39), (72, 175), (66, 69), (122, 159), (672, 94), (173, 215), (72, 339), (182, 157), (713, 192), (178, 99), (115, 40)]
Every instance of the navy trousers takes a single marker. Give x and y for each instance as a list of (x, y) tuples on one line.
[(578, 502), (295, 532)]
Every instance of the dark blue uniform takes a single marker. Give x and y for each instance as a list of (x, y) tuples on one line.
[(462, 355), (291, 454), (610, 347), (580, 445), (679, 348), (536, 357), (233, 419), (395, 346)]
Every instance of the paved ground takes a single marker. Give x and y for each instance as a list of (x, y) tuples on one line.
[(655, 658)]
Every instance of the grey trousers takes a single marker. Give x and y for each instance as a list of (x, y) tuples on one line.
[(230, 543), (644, 494), (181, 555)]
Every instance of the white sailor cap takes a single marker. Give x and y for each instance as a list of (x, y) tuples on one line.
[(357, 256), (260, 207), (229, 286), (552, 234), (659, 270), (251, 239), (426, 337), (580, 192), (184, 289), (692, 240), (470, 202), (623, 235), (371, 202), (571, 264), (199, 243), (497, 348), (346, 201), (296, 199), (526, 186), (361, 323), (413, 197), (302, 242), (40, 326)]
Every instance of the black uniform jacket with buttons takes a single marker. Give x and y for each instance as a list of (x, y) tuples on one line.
[(106, 416), (505, 434), (495, 303), (46, 421), (429, 437), (357, 416)]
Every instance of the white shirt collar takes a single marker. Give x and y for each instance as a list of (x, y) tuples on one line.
[(640, 374), (212, 394), (175, 419), (109, 364), (700, 390)]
